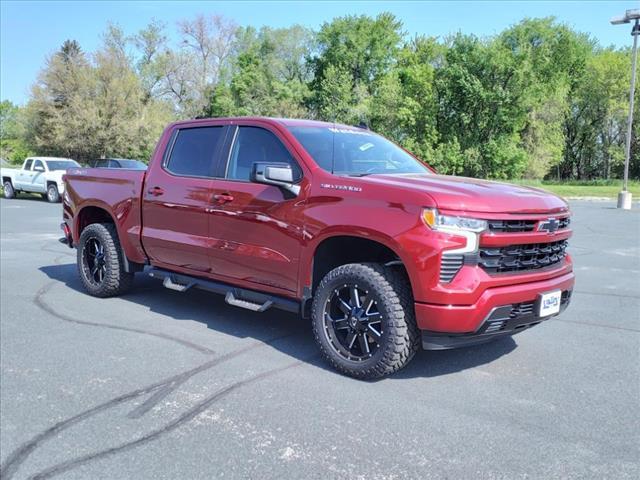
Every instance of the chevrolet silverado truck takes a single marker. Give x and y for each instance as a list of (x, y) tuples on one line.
[(38, 175), (332, 222)]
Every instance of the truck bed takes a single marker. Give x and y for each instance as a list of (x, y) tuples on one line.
[(116, 190)]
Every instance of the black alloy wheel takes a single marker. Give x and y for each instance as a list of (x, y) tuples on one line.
[(363, 320), (353, 322), (101, 261), (94, 262)]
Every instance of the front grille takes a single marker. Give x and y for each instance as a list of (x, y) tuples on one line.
[(450, 265), (512, 225), (516, 226), (519, 258)]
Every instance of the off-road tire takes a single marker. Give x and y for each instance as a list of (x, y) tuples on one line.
[(9, 191), (53, 196), (401, 338), (116, 280)]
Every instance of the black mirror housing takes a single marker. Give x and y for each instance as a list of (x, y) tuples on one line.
[(277, 174)]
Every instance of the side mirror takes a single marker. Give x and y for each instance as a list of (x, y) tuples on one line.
[(278, 174), (38, 168)]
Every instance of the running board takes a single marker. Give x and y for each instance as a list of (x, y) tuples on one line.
[(255, 307), (171, 285), (238, 297)]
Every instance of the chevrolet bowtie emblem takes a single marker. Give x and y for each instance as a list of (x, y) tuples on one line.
[(550, 226)]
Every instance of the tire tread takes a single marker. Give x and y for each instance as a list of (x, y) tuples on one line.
[(404, 338), (117, 280)]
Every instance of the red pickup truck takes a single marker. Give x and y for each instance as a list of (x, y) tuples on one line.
[(332, 222)]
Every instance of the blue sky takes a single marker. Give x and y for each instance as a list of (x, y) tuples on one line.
[(29, 31)]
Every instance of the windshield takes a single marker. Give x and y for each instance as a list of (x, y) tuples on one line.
[(357, 152), (133, 164), (61, 164)]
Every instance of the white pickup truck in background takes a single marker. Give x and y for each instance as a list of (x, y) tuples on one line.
[(38, 175)]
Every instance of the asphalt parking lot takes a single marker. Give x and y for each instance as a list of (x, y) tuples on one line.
[(159, 384)]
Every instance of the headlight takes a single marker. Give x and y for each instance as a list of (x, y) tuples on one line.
[(448, 223), (470, 228)]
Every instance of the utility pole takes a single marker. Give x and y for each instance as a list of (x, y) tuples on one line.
[(624, 197)]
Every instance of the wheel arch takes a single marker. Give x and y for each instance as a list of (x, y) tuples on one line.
[(340, 248), (92, 213)]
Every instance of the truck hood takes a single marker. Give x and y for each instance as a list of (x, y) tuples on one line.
[(474, 195)]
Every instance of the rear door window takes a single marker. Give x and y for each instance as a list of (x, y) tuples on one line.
[(194, 151)]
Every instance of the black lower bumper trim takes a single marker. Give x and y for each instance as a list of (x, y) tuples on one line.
[(503, 321)]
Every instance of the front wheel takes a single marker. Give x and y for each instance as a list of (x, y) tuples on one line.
[(101, 261), (9, 192), (53, 196), (363, 320)]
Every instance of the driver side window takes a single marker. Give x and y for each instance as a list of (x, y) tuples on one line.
[(38, 166), (255, 144)]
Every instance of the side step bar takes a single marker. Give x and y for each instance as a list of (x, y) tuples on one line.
[(231, 299), (238, 297)]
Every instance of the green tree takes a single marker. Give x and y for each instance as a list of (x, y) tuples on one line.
[(85, 110), (551, 57), (12, 133), (354, 54), (538, 99), (595, 126), (269, 75), (481, 106), (405, 105)]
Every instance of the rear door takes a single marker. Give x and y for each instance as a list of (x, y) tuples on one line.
[(176, 199), (23, 176), (256, 229)]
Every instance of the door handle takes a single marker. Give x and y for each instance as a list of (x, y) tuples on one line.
[(155, 191), (223, 198)]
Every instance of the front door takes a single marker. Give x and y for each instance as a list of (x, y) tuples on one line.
[(256, 232), (38, 178), (177, 197)]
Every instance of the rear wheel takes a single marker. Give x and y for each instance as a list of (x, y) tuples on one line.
[(52, 193), (363, 320), (101, 261), (9, 192)]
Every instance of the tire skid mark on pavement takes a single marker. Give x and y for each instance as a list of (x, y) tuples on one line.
[(184, 418), (46, 248), (600, 325), (607, 294), (40, 302), (20, 455)]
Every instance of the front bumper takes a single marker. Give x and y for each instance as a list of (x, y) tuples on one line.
[(449, 326)]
